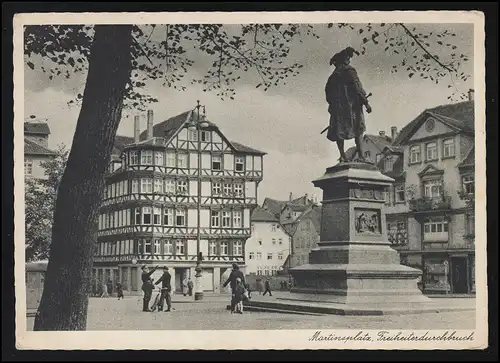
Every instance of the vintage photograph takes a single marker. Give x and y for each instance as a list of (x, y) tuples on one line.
[(200, 173)]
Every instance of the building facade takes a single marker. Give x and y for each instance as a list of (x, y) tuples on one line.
[(305, 236), (429, 220), (172, 192), (268, 247), (36, 149)]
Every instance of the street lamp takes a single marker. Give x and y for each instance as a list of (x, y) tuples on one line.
[(196, 124)]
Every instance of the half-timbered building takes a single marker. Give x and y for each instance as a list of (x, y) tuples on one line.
[(173, 191)]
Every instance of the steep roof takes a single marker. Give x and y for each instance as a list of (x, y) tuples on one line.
[(168, 127), (32, 148), (380, 143), (261, 215), (40, 128), (120, 143), (276, 206), (245, 149), (273, 205), (460, 115), (314, 214), (469, 159)]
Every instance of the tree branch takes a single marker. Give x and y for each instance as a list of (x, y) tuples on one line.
[(407, 31)]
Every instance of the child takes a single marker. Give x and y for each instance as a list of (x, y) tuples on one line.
[(239, 296), (119, 290)]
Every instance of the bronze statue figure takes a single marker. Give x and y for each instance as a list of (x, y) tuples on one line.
[(346, 97)]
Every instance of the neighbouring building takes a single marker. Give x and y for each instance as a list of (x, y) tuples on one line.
[(269, 245), (159, 182), (36, 149), (428, 220)]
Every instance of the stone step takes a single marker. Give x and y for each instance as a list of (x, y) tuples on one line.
[(274, 310)]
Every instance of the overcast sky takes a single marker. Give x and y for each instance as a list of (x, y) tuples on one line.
[(286, 121)]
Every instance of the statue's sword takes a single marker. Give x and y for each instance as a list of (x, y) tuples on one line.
[(326, 128)]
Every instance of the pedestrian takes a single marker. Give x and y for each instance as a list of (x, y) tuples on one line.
[(267, 286), (147, 286), (119, 289), (185, 286), (239, 294), (166, 289), (104, 290), (190, 287), (110, 287), (235, 274)]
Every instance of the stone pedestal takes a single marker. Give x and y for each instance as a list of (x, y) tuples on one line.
[(354, 263)]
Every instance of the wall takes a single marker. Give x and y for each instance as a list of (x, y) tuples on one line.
[(304, 240), (38, 170)]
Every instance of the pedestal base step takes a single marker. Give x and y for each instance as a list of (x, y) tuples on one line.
[(308, 308), (259, 309)]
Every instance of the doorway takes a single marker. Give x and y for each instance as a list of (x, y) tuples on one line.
[(459, 275)]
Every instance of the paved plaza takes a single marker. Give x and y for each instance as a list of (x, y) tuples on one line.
[(211, 314)]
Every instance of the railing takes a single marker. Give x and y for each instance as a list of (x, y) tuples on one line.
[(428, 204)]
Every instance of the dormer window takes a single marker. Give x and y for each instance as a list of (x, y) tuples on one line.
[(389, 163)]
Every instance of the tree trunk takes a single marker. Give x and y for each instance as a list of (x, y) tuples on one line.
[(67, 285)]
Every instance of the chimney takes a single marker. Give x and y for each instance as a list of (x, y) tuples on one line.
[(290, 197), (137, 128), (394, 132), (471, 94), (150, 124), (381, 133), (306, 202)]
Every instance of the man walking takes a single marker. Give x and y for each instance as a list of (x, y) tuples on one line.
[(267, 286), (147, 286), (190, 287), (166, 288)]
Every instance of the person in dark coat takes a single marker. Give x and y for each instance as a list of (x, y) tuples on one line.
[(235, 274), (119, 290), (166, 288), (147, 286), (267, 286), (346, 97)]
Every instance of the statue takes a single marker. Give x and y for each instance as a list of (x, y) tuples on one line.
[(346, 97)]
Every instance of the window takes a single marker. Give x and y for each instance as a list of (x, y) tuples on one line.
[(239, 162), (431, 151), (280, 241), (147, 246), (182, 160), (470, 227), (238, 190), (157, 247), (212, 249), (389, 163), (274, 271), (367, 155), (237, 248), (171, 160), (168, 217), (266, 272), (399, 193), (269, 256), (236, 219), (259, 271), (215, 219), (258, 256), (192, 135), (182, 186), (226, 219), (134, 157), (137, 215), (205, 136), (146, 157), (158, 186), (180, 217), (227, 188), (169, 186), (146, 215), (432, 188), (159, 158), (448, 148), (251, 256), (280, 255), (273, 227), (260, 241), (224, 248), (274, 241), (216, 162), (397, 233), (28, 167), (415, 156), (387, 195), (216, 188), (135, 186), (167, 248), (156, 216), (435, 230), (146, 185), (179, 248), (468, 184)]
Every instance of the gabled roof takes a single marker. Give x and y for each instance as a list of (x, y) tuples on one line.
[(245, 149), (273, 205), (431, 169), (32, 148), (120, 143), (40, 128), (459, 115), (167, 128), (314, 214), (469, 159), (394, 149), (261, 215)]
